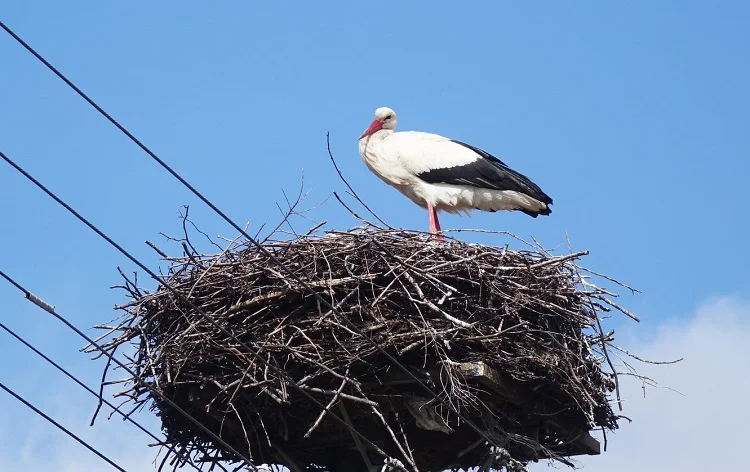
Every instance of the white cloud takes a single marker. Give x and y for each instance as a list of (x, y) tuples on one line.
[(700, 424), (33, 444), (46, 448)]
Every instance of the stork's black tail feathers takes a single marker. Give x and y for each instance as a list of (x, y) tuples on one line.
[(531, 213), (534, 214), (494, 173)]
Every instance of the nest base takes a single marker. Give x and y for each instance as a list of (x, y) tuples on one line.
[(508, 340)]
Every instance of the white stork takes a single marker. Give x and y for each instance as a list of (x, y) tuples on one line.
[(439, 173)]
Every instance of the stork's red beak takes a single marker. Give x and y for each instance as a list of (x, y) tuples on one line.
[(374, 126)]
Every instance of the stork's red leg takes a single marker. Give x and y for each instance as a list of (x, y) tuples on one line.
[(434, 223)]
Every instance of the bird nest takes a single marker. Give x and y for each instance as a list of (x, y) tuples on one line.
[(332, 351)]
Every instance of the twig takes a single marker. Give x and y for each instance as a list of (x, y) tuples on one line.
[(328, 407), (357, 442), (354, 194)]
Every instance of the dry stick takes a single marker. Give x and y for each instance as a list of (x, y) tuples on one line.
[(623, 310), (208, 269), (606, 355), (336, 307), (335, 393), (354, 194), (270, 296), (421, 272), (632, 290), (292, 208), (203, 233), (352, 212), (557, 260), (387, 288), (487, 231), (185, 231), (101, 392), (286, 216), (392, 270), (432, 306), (463, 260), (328, 407), (151, 364), (357, 442), (315, 228), (190, 256), (601, 330), (645, 361), (393, 436), (242, 425), (309, 341), (406, 444)]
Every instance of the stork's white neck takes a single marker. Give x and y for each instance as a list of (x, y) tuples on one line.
[(379, 135), (368, 146)]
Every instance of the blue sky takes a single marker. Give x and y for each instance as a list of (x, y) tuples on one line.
[(632, 116)]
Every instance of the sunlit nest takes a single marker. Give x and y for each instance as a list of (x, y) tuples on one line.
[(509, 339)]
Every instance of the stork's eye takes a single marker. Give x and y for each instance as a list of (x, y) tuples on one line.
[(388, 117)]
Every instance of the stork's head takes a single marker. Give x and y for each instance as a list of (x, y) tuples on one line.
[(385, 118)]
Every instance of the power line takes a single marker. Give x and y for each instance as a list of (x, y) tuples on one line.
[(92, 392), (252, 240), (51, 310), (183, 298), (60, 427)]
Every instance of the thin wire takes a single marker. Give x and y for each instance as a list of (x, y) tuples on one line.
[(182, 297), (92, 392), (252, 240), (80, 333), (60, 427)]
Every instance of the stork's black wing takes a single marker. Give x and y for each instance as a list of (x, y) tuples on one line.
[(486, 172)]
